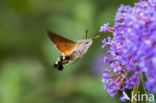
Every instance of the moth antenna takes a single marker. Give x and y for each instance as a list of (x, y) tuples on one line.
[(86, 34), (76, 61)]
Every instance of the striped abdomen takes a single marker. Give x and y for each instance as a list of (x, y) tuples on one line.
[(62, 60)]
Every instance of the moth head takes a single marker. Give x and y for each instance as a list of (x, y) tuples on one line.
[(85, 43), (88, 42)]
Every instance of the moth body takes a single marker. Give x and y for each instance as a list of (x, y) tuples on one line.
[(81, 48)]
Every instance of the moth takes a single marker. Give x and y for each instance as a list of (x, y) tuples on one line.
[(71, 50)]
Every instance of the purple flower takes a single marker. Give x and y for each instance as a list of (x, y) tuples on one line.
[(104, 27), (104, 43), (150, 85), (135, 80), (132, 48), (128, 84)]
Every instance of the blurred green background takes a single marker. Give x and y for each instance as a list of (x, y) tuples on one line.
[(27, 54)]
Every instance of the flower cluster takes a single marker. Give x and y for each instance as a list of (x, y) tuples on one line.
[(132, 48)]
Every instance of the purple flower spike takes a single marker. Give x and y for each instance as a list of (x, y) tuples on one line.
[(132, 48)]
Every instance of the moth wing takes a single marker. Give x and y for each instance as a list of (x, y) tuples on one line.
[(64, 45)]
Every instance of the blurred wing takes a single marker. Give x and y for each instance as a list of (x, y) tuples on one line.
[(64, 45)]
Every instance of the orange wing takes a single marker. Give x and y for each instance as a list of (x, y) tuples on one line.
[(64, 45)]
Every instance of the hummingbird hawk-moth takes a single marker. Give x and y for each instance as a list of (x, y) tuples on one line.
[(71, 50)]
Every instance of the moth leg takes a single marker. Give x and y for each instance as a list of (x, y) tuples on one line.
[(65, 60), (76, 60)]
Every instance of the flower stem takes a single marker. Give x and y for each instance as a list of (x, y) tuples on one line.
[(142, 83), (135, 91)]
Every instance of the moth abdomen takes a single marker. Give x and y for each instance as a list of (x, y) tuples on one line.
[(58, 66), (62, 60)]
